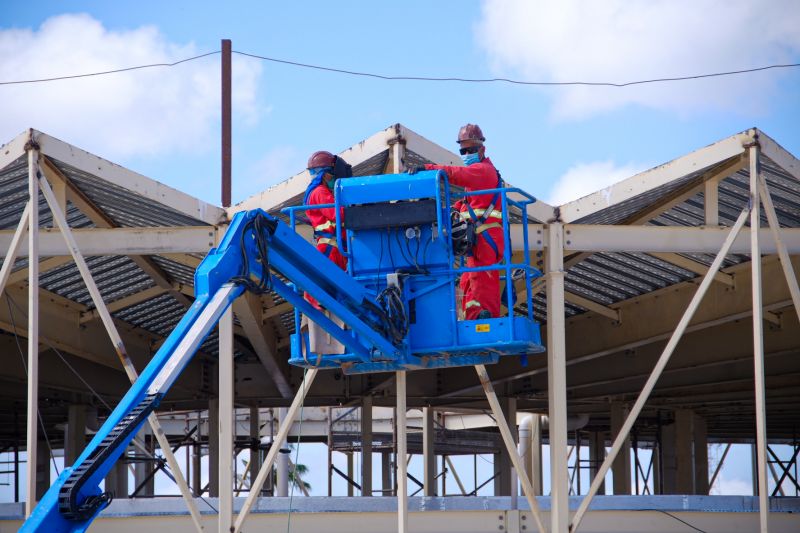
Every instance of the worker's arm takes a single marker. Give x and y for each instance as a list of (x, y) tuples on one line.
[(476, 177), (323, 195)]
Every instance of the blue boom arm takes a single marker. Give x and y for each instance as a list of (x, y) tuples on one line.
[(399, 310), (254, 244)]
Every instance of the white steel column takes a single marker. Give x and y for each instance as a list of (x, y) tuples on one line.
[(225, 429), (33, 324), (659, 367), (266, 468), (557, 381), (758, 341), (402, 466)]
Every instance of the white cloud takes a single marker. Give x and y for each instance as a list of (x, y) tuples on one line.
[(732, 487), (144, 112), (276, 165), (625, 40), (585, 178)]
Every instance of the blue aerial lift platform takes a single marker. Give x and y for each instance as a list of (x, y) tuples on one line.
[(397, 303)]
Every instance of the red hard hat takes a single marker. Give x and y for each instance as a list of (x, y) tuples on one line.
[(470, 132), (321, 159)]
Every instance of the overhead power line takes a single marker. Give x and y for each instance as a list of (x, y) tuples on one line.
[(105, 72), (414, 78), (508, 80)]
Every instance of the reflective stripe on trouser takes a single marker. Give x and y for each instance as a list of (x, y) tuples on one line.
[(482, 289), (494, 213), (332, 252), (328, 224)]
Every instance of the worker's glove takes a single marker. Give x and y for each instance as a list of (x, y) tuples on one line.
[(413, 169)]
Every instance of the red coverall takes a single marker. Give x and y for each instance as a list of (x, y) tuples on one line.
[(324, 223), (481, 289)]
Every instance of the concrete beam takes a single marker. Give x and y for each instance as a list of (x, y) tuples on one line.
[(428, 452), (121, 241), (248, 309), (75, 433), (366, 446), (648, 239), (621, 467)]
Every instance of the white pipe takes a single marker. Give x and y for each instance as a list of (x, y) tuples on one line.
[(573, 422), (524, 447), (282, 485)]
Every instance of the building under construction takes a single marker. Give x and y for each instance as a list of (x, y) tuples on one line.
[(663, 337)]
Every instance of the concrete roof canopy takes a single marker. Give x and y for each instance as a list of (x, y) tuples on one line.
[(621, 305)]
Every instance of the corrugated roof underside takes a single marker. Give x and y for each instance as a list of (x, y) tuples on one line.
[(116, 277), (605, 278), (608, 278), (124, 207)]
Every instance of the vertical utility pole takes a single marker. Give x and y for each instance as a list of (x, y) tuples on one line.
[(226, 122)]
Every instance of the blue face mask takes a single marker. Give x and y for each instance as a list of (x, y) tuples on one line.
[(316, 180), (471, 159)]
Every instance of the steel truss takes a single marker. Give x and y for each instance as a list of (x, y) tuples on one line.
[(25, 241)]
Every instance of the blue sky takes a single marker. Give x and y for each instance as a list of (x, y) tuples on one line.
[(557, 143), (536, 136)]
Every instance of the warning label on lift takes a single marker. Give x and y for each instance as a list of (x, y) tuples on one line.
[(482, 328)]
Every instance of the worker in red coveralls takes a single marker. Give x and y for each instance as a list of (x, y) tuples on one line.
[(320, 191), (481, 289)]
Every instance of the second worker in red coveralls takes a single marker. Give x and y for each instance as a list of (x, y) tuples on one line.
[(481, 289), (320, 191)]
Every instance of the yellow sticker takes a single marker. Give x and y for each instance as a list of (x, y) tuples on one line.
[(482, 328)]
